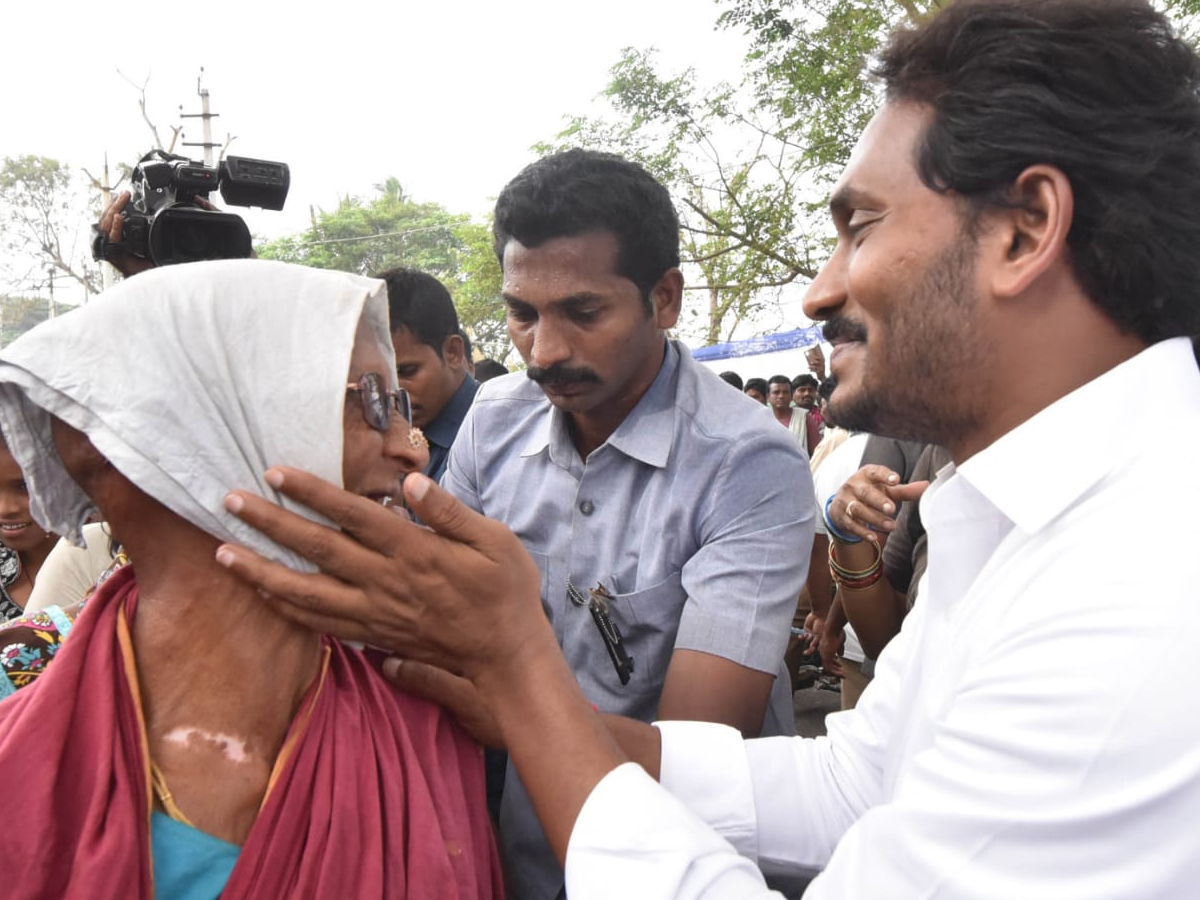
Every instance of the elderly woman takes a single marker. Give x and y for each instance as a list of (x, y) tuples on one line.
[(188, 742)]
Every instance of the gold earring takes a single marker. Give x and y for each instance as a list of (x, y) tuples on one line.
[(416, 439)]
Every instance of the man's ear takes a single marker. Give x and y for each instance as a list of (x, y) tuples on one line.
[(1030, 238), (454, 352), (666, 299)]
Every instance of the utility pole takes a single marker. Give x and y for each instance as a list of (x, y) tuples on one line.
[(106, 189), (50, 278), (206, 118)]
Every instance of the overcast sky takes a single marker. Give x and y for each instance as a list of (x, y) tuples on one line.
[(446, 96)]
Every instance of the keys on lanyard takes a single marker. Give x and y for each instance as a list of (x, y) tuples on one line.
[(597, 604)]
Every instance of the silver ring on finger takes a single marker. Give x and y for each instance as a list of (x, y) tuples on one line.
[(850, 509)]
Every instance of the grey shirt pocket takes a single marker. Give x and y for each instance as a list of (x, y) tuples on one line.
[(649, 620)]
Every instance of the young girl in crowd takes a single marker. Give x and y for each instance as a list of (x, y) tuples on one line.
[(24, 545)]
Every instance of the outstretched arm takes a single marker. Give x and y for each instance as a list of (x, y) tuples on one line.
[(463, 597)]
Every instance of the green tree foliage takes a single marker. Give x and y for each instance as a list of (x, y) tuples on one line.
[(18, 314), (43, 214), (1186, 15), (739, 210), (370, 235), (806, 69), (477, 292)]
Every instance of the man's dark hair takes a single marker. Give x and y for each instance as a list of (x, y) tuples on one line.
[(779, 379), (487, 369), (824, 392), (732, 378), (756, 384), (1103, 90), (466, 339), (419, 302), (810, 380), (580, 191)]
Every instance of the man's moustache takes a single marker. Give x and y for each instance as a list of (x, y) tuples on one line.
[(561, 375), (838, 328)]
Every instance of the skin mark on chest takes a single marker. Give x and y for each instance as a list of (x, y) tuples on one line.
[(233, 747)]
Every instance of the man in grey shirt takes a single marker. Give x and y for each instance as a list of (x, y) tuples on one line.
[(631, 474)]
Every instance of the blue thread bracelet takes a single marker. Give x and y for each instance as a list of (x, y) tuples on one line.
[(833, 530)]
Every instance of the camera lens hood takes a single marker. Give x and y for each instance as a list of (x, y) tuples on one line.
[(181, 233)]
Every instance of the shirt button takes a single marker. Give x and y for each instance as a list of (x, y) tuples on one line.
[(587, 507)]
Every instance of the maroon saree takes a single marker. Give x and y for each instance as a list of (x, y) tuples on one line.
[(376, 794)]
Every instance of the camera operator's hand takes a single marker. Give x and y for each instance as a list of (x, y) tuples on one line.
[(111, 224)]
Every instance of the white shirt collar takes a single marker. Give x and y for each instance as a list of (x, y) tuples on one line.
[(1080, 428)]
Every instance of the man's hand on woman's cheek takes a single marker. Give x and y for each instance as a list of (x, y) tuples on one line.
[(462, 594)]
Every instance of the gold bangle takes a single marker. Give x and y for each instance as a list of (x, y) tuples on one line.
[(853, 574)]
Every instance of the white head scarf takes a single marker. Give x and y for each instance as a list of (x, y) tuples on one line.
[(192, 380)]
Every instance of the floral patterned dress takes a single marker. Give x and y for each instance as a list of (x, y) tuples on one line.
[(10, 571), (29, 641)]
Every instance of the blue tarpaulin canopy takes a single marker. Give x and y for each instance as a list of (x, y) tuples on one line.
[(771, 343)]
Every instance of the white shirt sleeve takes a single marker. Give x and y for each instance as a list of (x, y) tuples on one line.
[(1006, 799), (633, 839), (727, 811)]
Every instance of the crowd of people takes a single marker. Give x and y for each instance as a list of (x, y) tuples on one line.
[(302, 600)]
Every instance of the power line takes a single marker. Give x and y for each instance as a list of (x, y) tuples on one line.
[(371, 237)]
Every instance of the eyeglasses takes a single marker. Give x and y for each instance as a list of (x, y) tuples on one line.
[(378, 401)]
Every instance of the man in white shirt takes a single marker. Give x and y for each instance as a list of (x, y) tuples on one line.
[(1027, 192), (794, 419)]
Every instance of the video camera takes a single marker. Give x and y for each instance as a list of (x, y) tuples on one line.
[(163, 221)]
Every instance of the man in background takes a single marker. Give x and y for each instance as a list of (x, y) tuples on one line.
[(756, 389), (431, 359), (487, 369), (779, 400), (804, 391)]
